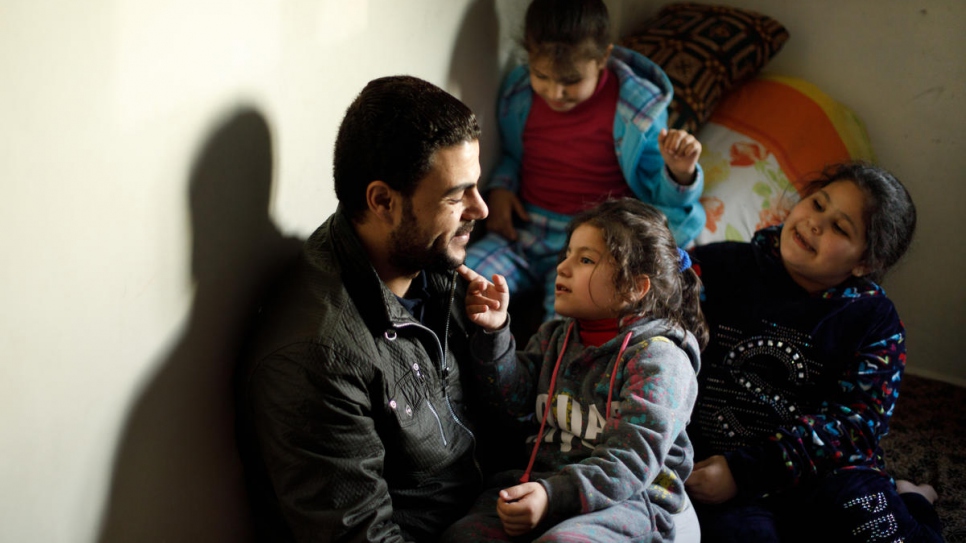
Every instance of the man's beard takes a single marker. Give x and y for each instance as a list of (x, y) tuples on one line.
[(409, 251)]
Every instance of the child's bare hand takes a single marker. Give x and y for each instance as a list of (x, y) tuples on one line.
[(680, 151), (503, 205), (522, 507), (486, 302), (712, 481)]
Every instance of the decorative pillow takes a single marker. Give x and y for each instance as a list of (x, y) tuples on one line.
[(705, 50), (765, 141), (745, 187)]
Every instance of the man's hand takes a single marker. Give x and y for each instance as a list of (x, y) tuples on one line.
[(680, 151), (486, 302), (522, 507), (711, 481), (503, 206)]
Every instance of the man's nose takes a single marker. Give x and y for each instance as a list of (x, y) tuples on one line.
[(477, 209)]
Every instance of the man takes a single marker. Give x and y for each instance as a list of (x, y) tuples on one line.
[(352, 419)]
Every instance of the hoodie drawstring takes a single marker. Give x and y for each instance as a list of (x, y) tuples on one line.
[(553, 382)]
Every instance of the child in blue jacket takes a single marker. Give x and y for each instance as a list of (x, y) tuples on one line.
[(583, 121)]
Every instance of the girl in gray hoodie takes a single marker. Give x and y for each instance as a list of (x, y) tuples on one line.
[(609, 388)]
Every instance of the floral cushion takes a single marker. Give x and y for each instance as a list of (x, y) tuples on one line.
[(765, 141), (745, 187)]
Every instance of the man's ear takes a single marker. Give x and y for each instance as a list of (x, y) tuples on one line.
[(382, 201)]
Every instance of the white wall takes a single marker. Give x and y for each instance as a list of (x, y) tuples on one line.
[(156, 155), (899, 65)]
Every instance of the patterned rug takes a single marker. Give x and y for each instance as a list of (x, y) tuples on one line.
[(927, 444)]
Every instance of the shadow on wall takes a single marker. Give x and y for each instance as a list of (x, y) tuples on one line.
[(474, 74), (177, 475)]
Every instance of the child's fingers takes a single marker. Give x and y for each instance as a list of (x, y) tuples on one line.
[(499, 282), (489, 303), (689, 148), (476, 309), (674, 140), (468, 274), (513, 513), (516, 516), (514, 492), (477, 283), (521, 210)]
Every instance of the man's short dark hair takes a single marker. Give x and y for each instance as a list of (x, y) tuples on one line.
[(390, 133)]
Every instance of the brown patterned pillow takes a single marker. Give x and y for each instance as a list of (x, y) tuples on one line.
[(705, 50)]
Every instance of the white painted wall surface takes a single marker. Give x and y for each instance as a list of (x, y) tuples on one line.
[(155, 156)]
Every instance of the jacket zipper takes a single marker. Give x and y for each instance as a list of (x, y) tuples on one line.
[(444, 373), (452, 297)]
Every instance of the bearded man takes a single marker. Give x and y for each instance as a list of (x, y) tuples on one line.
[(352, 420)]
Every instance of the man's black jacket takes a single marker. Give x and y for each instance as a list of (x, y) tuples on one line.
[(352, 421)]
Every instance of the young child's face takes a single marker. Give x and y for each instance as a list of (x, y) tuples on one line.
[(823, 239), (585, 278), (563, 91)]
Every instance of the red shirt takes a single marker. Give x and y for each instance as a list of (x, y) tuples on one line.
[(597, 333), (569, 163)]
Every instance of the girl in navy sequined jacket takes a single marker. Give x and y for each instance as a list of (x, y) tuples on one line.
[(802, 370)]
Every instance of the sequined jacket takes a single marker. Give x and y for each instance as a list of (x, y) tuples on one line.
[(793, 386)]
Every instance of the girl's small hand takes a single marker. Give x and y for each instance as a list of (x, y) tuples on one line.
[(504, 205), (522, 507), (486, 302), (712, 481), (680, 151)]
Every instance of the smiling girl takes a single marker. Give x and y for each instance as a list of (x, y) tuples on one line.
[(802, 373), (609, 387)]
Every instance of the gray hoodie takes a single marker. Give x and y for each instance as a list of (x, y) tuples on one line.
[(587, 461)]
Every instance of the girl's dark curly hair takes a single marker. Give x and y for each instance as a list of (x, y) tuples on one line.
[(640, 242)]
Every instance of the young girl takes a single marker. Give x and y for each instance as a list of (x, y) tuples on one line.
[(582, 121), (611, 385), (802, 373)]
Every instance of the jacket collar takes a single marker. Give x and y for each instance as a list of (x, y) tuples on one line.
[(646, 91), (377, 304)]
